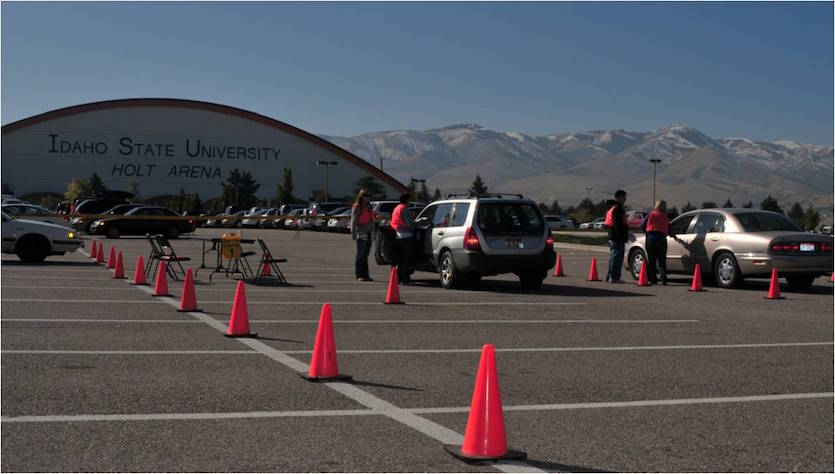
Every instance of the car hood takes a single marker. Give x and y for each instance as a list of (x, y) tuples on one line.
[(44, 224)]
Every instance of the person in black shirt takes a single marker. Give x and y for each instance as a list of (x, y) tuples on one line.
[(618, 235)]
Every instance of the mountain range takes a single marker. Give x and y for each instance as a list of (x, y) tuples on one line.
[(694, 167)]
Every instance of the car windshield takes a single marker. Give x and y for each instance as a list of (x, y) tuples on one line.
[(501, 216), (764, 222)]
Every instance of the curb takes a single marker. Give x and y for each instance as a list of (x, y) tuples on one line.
[(591, 248)]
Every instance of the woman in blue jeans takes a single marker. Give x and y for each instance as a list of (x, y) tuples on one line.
[(362, 228)]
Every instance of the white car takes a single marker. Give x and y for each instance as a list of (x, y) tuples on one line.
[(592, 224), (33, 241), (556, 222)]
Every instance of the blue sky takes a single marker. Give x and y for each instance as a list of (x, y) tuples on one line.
[(763, 71)]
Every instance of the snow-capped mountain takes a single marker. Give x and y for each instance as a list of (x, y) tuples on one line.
[(693, 166)]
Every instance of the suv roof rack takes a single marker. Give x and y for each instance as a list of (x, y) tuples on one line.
[(485, 195)]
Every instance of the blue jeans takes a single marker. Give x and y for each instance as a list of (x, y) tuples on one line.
[(361, 260), (615, 260)]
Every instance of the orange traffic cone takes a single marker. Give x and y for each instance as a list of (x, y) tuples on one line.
[(100, 253), (697, 280), (323, 365), (593, 270), (558, 269), (267, 271), (239, 320), (93, 250), (393, 295), (485, 438), (139, 274), (188, 301), (111, 260), (119, 270), (642, 277), (161, 285), (774, 289)]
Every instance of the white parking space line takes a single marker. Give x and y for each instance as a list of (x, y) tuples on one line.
[(185, 416), (367, 321), (47, 300), (638, 403), (381, 411), (130, 352), (437, 351), (575, 349)]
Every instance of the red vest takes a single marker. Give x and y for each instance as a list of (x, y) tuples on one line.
[(397, 221), (658, 222), (365, 217), (610, 217)]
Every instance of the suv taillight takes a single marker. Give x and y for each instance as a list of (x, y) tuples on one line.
[(549, 242), (471, 240)]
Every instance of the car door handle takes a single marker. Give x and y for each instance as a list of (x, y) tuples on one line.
[(714, 239), (441, 233)]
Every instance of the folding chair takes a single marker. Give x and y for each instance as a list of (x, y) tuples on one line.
[(268, 259), (153, 258), (168, 255)]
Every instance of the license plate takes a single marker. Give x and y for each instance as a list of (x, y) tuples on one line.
[(514, 244), (807, 247)]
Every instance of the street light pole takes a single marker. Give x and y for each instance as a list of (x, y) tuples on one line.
[(654, 162), (417, 182), (327, 165)]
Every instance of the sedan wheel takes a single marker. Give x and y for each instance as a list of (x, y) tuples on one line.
[(726, 271), (112, 233), (636, 261)]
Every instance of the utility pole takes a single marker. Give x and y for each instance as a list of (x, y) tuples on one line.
[(654, 162), (588, 201), (327, 165)]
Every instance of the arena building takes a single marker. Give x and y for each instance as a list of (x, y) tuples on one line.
[(166, 144)]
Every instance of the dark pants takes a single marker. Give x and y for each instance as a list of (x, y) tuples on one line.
[(656, 259), (361, 260), (405, 250), (615, 260)]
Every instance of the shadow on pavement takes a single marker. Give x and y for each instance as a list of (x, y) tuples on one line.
[(511, 287), (556, 467), (262, 338), (13, 263)]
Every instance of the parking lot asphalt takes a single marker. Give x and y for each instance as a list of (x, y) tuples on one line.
[(98, 375)]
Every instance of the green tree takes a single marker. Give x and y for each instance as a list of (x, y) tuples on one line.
[(555, 208), (437, 194), (687, 207), (96, 184), (543, 207), (370, 184), (728, 204), (811, 218), (478, 187), (749, 205), (423, 194), (672, 212), (284, 191), (770, 204), (77, 188), (796, 214), (240, 188), (708, 205), (196, 206)]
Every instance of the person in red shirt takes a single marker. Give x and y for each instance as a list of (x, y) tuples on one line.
[(656, 224), (362, 228), (404, 227)]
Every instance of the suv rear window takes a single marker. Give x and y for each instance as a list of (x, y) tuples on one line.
[(764, 222), (387, 207), (509, 217)]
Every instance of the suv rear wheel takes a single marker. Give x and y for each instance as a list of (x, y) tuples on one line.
[(172, 233), (531, 281), (450, 276), (800, 282)]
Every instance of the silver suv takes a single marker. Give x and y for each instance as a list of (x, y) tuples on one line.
[(466, 237)]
